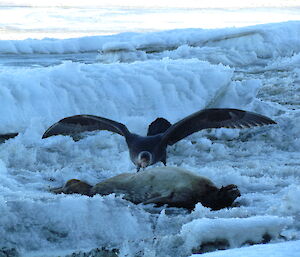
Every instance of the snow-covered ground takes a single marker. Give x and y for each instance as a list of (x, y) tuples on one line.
[(134, 78), (290, 249)]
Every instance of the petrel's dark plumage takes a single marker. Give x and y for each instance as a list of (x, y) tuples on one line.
[(4, 137), (150, 149)]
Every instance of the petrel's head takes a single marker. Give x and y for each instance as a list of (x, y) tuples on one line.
[(144, 159)]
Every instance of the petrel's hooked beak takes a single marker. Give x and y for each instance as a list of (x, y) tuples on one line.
[(144, 159)]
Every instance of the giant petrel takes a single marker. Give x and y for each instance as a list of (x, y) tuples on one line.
[(148, 150)]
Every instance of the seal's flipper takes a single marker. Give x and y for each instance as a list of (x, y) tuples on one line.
[(226, 196), (73, 186), (57, 190), (160, 200), (173, 200), (160, 125)]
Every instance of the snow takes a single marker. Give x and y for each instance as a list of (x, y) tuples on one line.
[(290, 249), (229, 232), (134, 78), (255, 41), (124, 90), (198, 231)]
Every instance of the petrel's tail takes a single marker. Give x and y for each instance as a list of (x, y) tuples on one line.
[(160, 125)]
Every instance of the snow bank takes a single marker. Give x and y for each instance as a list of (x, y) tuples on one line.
[(290, 249), (35, 224), (204, 234), (118, 91), (232, 231), (289, 200), (241, 47), (252, 41)]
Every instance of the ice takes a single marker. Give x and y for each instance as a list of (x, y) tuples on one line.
[(78, 223), (116, 91), (290, 249), (253, 41), (230, 231), (134, 78)]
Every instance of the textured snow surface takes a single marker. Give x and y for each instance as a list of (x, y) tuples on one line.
[(260, 41), (135, 78), (290, 249)]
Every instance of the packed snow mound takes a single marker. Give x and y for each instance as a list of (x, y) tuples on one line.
[(255, 42), (232, 231), (81, 221), (290, 249), (124, 92), (256, 45), (207, 234)]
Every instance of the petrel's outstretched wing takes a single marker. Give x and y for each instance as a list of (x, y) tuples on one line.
[(213, 118), (7, 136), (82, 123)]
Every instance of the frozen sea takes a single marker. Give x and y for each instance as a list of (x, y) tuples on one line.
[(134, 63)]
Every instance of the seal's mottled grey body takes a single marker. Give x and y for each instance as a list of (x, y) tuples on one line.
[(172, 186)]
